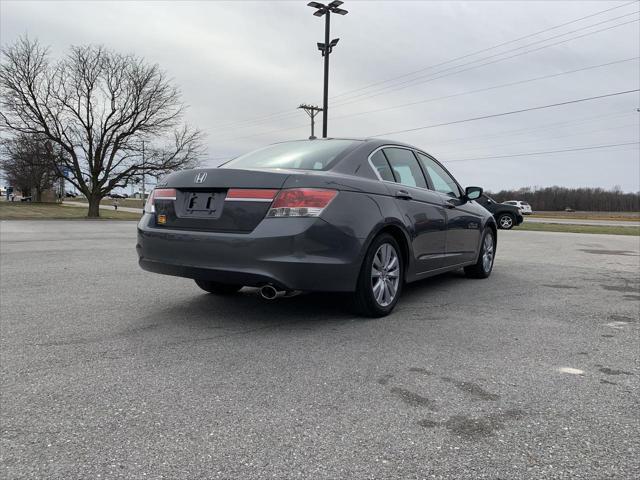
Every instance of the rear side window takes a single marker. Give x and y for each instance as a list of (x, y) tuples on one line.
[(442, 181), (405, 167), (299, 155), (381, 165)]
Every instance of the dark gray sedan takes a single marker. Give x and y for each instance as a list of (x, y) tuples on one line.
[(340, 215)]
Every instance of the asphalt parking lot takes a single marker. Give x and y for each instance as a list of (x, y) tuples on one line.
[(112, 372)]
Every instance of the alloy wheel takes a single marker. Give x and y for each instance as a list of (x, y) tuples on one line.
[(506, 222), (487, 252), (385, 274)]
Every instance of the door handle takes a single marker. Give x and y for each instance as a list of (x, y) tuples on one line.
[(403, 194)]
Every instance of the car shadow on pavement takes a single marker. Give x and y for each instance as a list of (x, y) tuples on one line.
[(248, 309)]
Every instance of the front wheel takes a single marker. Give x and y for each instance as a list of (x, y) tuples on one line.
[(506, 221), (381, 276), (484, 265), (217, 287)]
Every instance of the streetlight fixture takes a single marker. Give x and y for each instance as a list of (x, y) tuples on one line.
[(326, 48)]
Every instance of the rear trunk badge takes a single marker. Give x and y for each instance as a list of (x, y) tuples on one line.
[(200, 177)]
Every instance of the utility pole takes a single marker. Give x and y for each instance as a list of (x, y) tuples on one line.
[(312, 111), (326, 48)]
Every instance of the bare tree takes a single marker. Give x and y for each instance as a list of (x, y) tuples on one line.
[(29, 163), (100, 108)]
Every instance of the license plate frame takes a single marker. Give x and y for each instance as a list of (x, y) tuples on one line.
[(201, 204)]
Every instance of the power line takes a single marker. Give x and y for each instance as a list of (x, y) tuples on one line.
[(548, 152), (546, 138), (512, 112), (547, 126), (494, 87), (487, 49), (432, 77), (350, 101), (374, 94), (290, 112)]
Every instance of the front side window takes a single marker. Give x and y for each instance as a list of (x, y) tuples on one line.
[(299, 155), (442, 181), (405, 167)]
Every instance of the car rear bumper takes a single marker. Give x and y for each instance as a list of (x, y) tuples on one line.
[(306, 254)]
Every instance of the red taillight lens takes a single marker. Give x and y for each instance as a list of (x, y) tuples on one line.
[(164, 194), (250, 195), (159, 194), (301, 202)]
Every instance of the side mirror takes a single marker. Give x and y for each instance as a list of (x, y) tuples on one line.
[(473, 193)]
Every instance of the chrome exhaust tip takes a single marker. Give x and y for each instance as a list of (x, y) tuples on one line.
[(269, 292)]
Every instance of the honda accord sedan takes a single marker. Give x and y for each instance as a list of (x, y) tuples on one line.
[(333, 215)]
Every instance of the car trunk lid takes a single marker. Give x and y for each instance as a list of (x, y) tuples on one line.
[(218, 199)]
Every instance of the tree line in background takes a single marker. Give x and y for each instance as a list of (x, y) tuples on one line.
[(561, 198), (110, 118)]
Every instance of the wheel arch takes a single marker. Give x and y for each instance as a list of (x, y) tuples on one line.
[(493, 225), (400, 234)]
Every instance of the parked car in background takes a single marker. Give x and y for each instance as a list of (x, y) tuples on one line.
[(117, 195), (336, 215), (70, 194), (507, 216), (524, 207)]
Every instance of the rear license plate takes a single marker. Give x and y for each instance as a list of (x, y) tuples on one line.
[(201, 203)]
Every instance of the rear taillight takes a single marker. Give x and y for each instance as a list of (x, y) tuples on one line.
[(250, 195), (301, 202), (159, 194)]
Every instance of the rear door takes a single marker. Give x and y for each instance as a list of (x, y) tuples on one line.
[(423, 210), (463, 220), (218, 199)]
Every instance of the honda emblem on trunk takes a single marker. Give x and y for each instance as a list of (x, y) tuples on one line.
[(200, 177)]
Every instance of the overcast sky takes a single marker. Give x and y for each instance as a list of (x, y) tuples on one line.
[(238, 63)]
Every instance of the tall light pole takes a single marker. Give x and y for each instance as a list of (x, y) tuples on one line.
[(326, 48)]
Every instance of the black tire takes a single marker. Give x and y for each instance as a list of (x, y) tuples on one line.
[(364, 298), (481, 269), (506, 221), (218, 288)]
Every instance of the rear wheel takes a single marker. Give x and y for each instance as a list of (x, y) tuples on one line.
[(484, 265), (217, 288), (506, 221), (380, 281)]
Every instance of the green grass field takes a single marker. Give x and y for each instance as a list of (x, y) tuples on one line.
[(556, 227), (54, 211)]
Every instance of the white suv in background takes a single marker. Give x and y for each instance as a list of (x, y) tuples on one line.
[(524, 207)]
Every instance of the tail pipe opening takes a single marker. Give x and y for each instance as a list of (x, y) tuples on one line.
[(269, 292)]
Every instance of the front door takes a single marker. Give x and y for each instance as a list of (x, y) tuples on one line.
[(423, 210), (464, 218)]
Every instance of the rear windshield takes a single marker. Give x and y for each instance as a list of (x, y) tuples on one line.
[(300, 155)]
